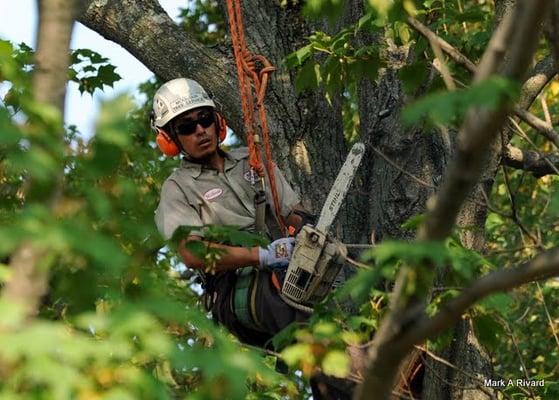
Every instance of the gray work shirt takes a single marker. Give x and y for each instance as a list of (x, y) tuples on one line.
[(195, 195)]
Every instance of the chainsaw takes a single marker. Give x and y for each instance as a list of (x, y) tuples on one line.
[(318, 257)]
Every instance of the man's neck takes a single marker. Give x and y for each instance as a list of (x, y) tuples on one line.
[(215, 161)]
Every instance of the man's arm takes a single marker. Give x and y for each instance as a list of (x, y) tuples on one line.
[(232, 258)]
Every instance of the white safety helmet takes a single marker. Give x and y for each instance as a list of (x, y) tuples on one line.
[(177, 96)]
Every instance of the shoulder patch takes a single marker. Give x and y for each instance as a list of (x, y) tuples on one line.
[(251, 176), (213, 194)]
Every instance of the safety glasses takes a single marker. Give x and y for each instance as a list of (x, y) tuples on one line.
[(188, 127)]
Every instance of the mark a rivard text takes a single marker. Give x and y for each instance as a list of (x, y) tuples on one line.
[(513, 382)]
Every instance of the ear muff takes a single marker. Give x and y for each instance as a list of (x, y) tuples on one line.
[(166, 144), (164, 141), (221, 126)]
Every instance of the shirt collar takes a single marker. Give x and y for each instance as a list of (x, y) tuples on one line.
[(195, 169)]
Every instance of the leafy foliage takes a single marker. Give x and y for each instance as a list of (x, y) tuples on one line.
[(91, 71), (117, 322), (203, 18)]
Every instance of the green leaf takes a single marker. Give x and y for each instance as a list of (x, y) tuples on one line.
[(443, 107), (413, 75), (414, 222), (303, 53), (300, 351), (332, 9), (499, 302), (359, 287), (112, 127), (197, 247), (107, 75), (308, 77), (487, 330), (410, 252), (465, 262), (381, 6), (336, 363)]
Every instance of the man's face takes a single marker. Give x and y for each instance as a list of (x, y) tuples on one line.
[(196, 131)]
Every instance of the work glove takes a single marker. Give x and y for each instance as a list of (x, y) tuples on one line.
[(277, 254)]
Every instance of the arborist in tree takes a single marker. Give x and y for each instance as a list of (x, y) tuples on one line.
[(216, 187)]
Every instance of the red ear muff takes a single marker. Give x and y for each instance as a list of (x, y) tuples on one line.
[(166, 144), (221, 126)]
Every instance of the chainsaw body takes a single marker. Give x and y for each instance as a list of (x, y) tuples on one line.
[(315, 263)]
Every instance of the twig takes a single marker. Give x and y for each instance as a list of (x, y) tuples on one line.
[(357, 263), (447, 77), (550, 320), (403, 171), (443, 44), (539, 125), (359, 246), (525, 137), (545, 109), (521, 359), (543, 266), (523, 315), (514, 213), (533, 161), (460, 370)]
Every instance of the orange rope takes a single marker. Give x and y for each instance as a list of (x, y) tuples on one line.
[(246, 70)]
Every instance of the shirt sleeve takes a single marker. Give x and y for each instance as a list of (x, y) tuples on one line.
[(174, 211), (287, 196)]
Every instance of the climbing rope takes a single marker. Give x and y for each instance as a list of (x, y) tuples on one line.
[(247, 73)]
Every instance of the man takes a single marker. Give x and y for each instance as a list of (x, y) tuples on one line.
[(215, 187)]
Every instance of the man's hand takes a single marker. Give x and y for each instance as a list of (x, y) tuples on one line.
[(278, 253)]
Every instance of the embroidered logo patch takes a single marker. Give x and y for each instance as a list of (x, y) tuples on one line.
[(213, 194), (251, 176)]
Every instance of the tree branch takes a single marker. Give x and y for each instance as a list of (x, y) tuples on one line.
[(517, 37), (543, 72), (144, 29), (538, 164), (443, 44), (543, 266), (482, 126), (29, 277), (539, 125)]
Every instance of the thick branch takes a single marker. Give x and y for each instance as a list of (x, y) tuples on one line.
[(539, 125), (544, 266), (144, 29), (538, 164), (52, 59), (29, 277), (517, 36)]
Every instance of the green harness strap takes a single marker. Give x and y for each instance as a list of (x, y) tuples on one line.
[(243, 299)]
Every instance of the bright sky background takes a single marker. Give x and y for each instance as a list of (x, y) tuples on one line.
[(18, 20)]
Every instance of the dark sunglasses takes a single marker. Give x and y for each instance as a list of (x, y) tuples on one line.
[(185, 128)]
